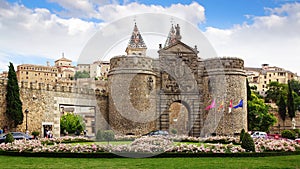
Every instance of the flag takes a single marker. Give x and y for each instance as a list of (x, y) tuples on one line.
[(212, 105), (239, 105), (230, 106), (221, 106)]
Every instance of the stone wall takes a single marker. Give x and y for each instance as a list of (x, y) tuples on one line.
[(43, 103)]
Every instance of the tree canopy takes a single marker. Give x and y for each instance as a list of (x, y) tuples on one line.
[(275, 90), (258, 116), (282, 108), (71, 123), (83, 74), (290, 102), (14, 111)]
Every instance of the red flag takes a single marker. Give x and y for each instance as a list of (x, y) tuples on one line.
[(230, 106)]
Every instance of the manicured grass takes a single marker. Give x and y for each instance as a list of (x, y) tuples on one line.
[(217, 162)]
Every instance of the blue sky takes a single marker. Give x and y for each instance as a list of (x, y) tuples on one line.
[(258, 31), (219, 13)]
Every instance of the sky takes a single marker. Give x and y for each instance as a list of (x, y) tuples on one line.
[(258, 31)]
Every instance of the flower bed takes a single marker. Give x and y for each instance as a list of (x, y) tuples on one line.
[(155, 145)]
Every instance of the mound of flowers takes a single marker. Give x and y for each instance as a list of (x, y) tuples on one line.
[(267, 145), (146, 144)]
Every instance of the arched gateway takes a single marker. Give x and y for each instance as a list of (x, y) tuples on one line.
[(142, 90)]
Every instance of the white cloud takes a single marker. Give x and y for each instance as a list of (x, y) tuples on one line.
[(272, 39), (193, 12), (38, 32)]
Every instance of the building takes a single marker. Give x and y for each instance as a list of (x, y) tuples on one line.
[(261, 77), (62, 73), (97, 69), (37, 74), (65, 68)]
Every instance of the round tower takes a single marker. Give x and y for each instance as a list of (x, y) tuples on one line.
[(225, 90), (131, 82)]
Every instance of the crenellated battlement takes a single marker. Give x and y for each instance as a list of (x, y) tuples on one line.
[(49, 87)]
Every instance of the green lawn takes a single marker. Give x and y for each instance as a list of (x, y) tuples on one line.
[(214, 163)]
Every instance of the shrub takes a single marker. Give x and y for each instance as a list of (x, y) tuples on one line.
[(242, 135), (108, 135), (9, 138), (248, 143), (99, 135), (35, 134), (174, 131), (289, 134)]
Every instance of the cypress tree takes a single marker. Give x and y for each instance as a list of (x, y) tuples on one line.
[(290, 102), (13, 102), (282, 109)]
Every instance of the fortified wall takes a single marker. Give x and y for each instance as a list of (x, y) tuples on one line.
[(44, 104)]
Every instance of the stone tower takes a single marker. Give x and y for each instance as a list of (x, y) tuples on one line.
[(132, 93)]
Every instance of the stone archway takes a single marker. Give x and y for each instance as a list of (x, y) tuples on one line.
[(179, 118)]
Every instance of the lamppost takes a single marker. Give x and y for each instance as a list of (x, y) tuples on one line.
[(26, 113)]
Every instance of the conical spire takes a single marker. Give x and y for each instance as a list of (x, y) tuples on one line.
[(136, 40), (173, 36)]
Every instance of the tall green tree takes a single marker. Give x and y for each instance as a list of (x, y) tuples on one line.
[(14, 111), (290, 102), (258, 115), (282, 109), (274, 91), (295, 85), (248, 98)]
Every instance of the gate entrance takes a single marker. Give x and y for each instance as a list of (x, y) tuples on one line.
[(178, 118)]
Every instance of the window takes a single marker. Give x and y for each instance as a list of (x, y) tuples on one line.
[(270, 75), (265, 82), (263, 86), (265, 76)]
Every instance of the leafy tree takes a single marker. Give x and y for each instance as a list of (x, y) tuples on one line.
[(71, 123), (83, 74), (290, 102), (295, 85), (14, 111), (274, 91), (282, 109), (258, 115), (297, 101)]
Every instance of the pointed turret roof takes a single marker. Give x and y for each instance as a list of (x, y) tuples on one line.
[(136, 40), (174, 36)]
